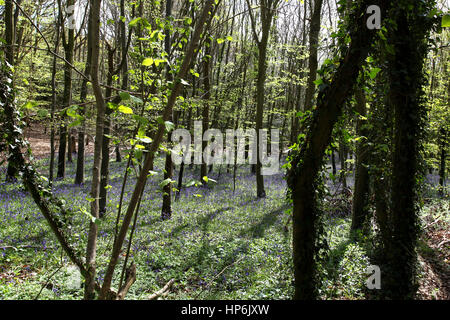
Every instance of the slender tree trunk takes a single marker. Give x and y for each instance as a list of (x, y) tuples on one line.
[(79, 175), (68, 44), (314, 33), (361, 192), (106, 140), (94, 44), (166, 210), (53, 107), (267, 11), (207, 97), (11, 171), (142, 179)]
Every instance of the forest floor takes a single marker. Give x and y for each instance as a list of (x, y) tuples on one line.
[(219, 244)]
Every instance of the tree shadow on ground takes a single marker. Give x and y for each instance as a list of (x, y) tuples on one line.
[(269, 219), (439, 268)]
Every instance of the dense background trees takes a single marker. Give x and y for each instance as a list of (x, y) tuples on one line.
[(112, 80)]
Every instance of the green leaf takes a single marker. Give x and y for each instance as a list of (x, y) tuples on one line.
[(147, 62), (134, 22), (124, 96), (373, 73), (169, 126), (125, 110), (158, 61), (318, 82), (165, 182), (29, 105), (446, 21)]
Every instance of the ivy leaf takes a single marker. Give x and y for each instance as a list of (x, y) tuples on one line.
[(373, 73), (318, 82)]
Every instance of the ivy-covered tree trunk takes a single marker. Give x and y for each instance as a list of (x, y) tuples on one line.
[(361, 190), (407, 38)]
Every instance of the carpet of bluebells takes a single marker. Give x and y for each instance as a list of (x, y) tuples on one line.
[(219, 244)]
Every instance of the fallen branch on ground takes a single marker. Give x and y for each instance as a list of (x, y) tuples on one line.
[(164, 291)]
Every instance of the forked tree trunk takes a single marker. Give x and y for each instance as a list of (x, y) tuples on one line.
[(308, 160)]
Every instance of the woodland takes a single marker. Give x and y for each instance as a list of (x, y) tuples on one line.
[(224, 150)]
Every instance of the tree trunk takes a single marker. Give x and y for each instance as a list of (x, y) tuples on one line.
[(94, 44), (405, 96), (166, 210), (11, 171), (207, 97), (79, 176), (53, 107), (314, 33), (68, 44), (307, 162), (361, 191)]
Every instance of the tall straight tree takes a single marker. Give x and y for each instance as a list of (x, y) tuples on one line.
[(166, 210), (267, 12), (314, 32), (79, 175), (361, 191), (10, 35), (68, 42), (54, 100), (94, 45), (207, 97)]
